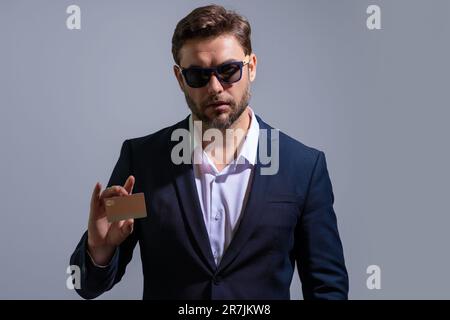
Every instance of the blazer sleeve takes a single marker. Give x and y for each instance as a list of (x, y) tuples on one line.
[(319, 252), (95, 280)]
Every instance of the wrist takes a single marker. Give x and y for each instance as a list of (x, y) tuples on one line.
[(100, 255)]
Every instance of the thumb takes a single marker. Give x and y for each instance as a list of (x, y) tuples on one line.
[(129, 184)]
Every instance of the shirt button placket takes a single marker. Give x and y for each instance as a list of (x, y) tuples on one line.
[(215, 228)]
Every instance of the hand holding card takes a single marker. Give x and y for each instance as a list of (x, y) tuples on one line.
[(104, 236)]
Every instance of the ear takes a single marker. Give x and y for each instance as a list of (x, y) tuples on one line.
[(179, 77), (252, 66)]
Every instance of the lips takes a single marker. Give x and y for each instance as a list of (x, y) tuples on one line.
[(217, 103)]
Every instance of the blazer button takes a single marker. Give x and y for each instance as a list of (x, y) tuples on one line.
[(217, 280)]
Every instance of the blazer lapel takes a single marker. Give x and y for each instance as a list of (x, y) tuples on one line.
[(254, 207), (187, 193)]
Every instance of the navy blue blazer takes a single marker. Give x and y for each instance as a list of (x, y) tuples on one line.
[(289, 217)]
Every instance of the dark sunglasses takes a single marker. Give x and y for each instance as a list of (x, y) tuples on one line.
[(227, 73)]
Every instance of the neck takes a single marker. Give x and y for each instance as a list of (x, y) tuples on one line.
[(226, 149)]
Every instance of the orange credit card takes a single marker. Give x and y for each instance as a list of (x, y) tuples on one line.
[(125, 207)]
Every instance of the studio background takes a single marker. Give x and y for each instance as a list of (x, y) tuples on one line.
[(373, 100)]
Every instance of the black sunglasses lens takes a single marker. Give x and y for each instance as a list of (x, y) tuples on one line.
[(230, 73), (197, 78), (227, 73)]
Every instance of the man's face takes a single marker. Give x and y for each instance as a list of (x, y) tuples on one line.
[(212, 52)]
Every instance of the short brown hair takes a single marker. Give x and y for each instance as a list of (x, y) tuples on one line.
[(211, 21)]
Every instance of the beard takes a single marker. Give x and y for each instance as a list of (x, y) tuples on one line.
[(217, 121)]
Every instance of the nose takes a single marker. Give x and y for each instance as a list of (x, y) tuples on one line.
[(214, 85)]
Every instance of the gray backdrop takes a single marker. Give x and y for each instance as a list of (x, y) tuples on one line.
[(373, 100)]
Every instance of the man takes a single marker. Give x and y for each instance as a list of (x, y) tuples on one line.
[(221, 227)]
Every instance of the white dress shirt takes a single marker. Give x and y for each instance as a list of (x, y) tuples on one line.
[(223, 194)]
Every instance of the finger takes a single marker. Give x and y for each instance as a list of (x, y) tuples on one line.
[(129, 184), (122, 224), (112, 192), (127, 227), (116, 226), (129, 221), (119, 231), (96, 193)]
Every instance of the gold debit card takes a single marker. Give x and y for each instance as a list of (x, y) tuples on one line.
[(125, 207)]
